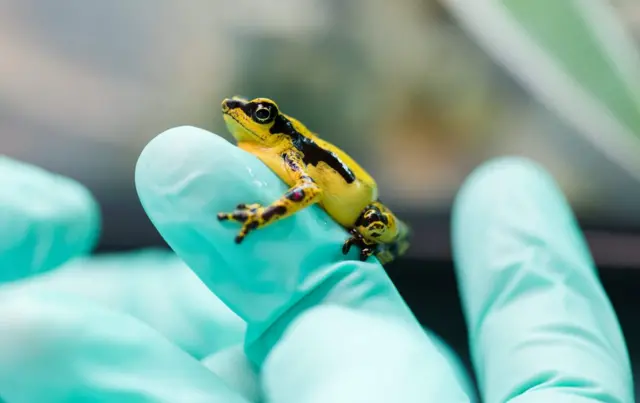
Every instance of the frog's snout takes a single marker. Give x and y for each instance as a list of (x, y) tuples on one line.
[(232, 103), (228, 104)]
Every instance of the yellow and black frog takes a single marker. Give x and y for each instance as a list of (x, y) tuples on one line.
[(317, 172)]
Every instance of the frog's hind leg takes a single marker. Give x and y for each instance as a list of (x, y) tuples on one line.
[(378, 231), (367, 248), (388, 252)]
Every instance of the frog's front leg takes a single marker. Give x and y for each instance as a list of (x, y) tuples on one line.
[(377, 231), (304, 193)]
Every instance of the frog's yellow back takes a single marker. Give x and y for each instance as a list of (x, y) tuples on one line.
[(344, 201), (358, 170)]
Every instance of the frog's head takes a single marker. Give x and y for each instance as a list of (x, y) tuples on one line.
[(251, 121)]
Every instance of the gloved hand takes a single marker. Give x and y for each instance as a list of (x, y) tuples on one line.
[(318, 328)]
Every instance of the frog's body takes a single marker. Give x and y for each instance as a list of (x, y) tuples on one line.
[(317, 172)]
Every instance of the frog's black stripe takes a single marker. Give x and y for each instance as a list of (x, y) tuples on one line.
[(312, 153), (360, 221), (234, 104)]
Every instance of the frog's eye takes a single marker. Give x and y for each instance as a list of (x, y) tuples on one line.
[(263, 114)]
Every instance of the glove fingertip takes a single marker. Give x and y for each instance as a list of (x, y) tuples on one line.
[(48, 219)]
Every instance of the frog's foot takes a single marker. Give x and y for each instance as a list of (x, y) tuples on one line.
[(386, 254), (250, 215), (366, 249)]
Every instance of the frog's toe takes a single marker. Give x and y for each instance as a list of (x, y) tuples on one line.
[(246, 228), (346, 246), (385, 256), (354, 239), (250, 207), (240, 237), (249, 215), (243, 213), (366, 248), (225, 216), (365, 253), (238, 216)]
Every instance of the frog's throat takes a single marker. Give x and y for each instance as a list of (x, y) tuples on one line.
[(246, 128)]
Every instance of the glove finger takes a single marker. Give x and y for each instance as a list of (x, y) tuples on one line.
[(59, 348), (276, 267), (234, 368), (455, 363), (186, 176), (46, 220), (356, 356), (540, 323), (154, 286)]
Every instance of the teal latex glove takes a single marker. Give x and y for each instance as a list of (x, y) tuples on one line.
[(46, 220), (319, 329), (541, 327), (120, 328)]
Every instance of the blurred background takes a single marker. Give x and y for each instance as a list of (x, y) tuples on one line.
[(403, 86)]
